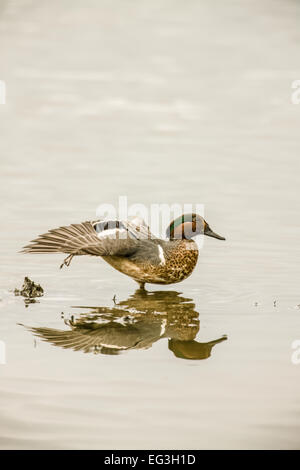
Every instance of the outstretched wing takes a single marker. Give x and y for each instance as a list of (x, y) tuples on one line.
[(136, 228), (100, 238)]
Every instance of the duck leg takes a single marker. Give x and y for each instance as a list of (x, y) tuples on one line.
[(67, 261), (142, 285)]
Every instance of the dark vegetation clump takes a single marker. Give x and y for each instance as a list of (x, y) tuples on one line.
[(30, 290)]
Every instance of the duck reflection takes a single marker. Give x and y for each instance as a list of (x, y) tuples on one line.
[(135, 323)]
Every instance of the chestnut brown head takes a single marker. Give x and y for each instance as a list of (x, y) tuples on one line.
[(188, 226)]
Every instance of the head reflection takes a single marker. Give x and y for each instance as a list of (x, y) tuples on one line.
[(135, 323)]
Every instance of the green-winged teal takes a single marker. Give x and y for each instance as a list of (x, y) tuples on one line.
[(130, 247)]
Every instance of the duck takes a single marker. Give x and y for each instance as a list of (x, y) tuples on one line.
[(130, 247)]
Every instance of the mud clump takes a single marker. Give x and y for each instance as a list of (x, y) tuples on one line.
[(30, 290)]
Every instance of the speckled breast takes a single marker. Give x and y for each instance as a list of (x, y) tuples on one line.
[(180, 261)]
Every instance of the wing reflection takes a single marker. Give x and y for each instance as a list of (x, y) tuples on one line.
[(135, 323)]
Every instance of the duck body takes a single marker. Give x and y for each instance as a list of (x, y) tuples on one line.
[(158, 262), (130, 247)]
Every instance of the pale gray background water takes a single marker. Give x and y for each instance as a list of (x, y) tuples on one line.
[(162, 101)]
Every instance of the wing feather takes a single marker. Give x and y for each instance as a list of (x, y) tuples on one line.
[(83, 239)]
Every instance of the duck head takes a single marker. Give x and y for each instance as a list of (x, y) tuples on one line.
[(188, 226)]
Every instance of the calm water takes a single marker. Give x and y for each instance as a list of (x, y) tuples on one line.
[(162, 101)]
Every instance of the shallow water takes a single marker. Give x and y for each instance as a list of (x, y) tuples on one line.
[(163, 102)]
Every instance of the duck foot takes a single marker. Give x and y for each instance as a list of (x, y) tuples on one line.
[(67, 261)]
